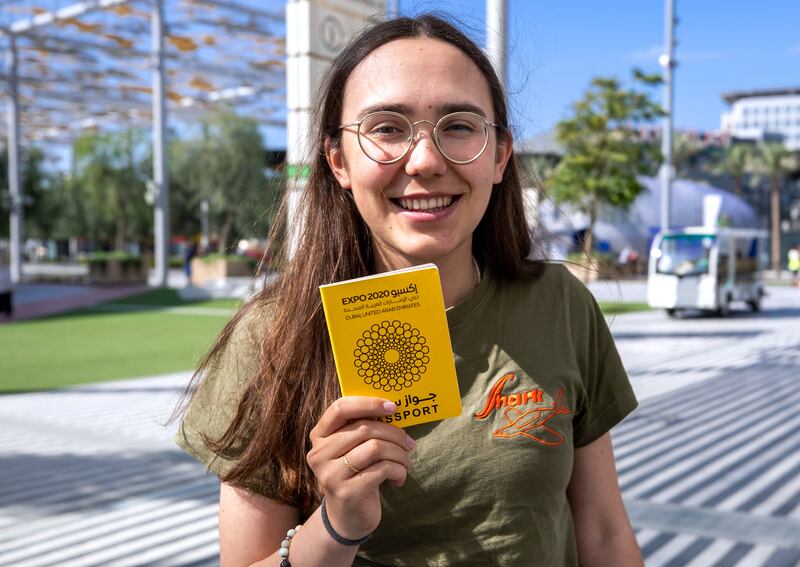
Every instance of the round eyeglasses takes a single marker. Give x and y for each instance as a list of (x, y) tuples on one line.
[(386, 136)]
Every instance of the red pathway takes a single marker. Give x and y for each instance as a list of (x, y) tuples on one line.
[(56, 304)]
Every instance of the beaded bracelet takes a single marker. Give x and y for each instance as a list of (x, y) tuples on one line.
[(333, 533), (285, 545)]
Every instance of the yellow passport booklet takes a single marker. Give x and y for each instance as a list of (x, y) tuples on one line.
[(390, 340)]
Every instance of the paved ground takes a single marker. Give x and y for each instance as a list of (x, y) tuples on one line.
[(33, 300), (709, 465), (40, 300)]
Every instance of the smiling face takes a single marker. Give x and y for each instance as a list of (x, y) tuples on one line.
[(422, 208)]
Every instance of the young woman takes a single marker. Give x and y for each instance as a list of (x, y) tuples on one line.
[(415, 165)]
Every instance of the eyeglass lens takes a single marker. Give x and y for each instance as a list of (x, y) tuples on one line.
[(386, 136)]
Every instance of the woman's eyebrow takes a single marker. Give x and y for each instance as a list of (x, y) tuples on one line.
[(407, 111), (401, 108), (462, 107)]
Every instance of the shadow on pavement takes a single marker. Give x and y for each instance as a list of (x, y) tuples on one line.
[(46, 485), (91, 388)]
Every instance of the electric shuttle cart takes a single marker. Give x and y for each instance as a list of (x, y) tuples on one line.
[(706, 269)]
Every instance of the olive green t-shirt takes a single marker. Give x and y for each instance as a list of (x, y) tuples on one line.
[(539, 376)]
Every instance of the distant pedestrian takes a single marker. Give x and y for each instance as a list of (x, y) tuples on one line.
[(6, 286), (793, 264), (189, 254)]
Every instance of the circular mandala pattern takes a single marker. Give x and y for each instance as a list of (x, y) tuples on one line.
[(391, 355)]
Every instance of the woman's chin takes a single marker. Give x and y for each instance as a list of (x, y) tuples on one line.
[(421, 251)]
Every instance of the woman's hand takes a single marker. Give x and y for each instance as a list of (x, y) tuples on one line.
[(351, 455)]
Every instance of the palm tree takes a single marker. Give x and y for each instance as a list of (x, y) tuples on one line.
[(736, 162), (684, 150), (774, 160)]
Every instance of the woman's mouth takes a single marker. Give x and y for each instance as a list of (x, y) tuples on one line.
[(428, 204)]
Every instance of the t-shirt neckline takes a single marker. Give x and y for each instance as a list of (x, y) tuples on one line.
[(462, 309)]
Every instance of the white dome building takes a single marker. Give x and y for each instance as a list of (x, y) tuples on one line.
[(635, 228)]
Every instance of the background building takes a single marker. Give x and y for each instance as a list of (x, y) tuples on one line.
[(764, 115)]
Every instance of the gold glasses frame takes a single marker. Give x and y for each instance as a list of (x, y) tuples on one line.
[(413, 137)]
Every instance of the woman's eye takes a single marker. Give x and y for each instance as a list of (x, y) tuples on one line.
[(459, 128), (385, 129)]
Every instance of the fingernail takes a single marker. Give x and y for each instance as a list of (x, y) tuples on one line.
[(410, 442), (389, 407)]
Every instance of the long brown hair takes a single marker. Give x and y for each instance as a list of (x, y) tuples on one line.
[(296, 378)]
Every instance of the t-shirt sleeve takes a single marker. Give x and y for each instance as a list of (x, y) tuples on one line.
[(608, 395), (216, 401)]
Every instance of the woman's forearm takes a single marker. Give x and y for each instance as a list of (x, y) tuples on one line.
[(313, 546)]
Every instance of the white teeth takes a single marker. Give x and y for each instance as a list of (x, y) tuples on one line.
[(425, 204)]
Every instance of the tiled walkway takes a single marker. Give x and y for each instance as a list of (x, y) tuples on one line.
[(709, 465), (91, 477)]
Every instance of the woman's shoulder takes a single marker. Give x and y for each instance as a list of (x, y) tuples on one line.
[(234, 359), (223, 379), (552, 293), (250, 325), (552, 278)]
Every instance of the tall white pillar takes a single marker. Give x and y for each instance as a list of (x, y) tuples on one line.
[(316, 31), (496, 37), (667, 61), (161, 225), (14, 188)]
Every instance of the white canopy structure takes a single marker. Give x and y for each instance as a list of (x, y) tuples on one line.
[(635, 227), (123, 63)]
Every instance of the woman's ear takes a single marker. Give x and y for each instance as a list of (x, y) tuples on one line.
[(505, 144), (335, 157)]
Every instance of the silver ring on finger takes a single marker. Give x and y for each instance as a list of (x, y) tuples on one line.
[(349, 466)]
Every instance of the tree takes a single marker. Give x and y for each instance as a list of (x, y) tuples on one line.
[(35, 183), (603, 154), (109, 175), (736, 161), (685, 151), (774, 160), (226, 167)]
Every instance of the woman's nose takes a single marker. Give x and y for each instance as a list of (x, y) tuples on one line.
[(424, 157)]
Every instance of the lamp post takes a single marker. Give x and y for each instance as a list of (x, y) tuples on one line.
[(161, 211), (496, 37), (15, 191), (668, 63), (204, 239)]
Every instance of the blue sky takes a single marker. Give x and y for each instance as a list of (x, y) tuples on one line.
[(556, 47)]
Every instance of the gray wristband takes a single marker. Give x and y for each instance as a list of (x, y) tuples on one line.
[(339, 539)]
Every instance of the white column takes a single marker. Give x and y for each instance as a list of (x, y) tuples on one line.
[(161, 226), (496, 37), (14, 189), (204, 230), (316, 31), (667, 61)]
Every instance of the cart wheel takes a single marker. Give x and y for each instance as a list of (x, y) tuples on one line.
[(672, 313)]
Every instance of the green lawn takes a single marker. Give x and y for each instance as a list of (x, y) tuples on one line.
[(143, 335), (616, 308), (170, 298), (148, 334)]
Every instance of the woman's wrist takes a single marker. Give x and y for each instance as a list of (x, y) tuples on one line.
[(313, 545), (337, 537)]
